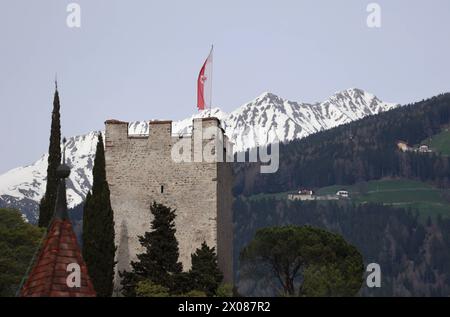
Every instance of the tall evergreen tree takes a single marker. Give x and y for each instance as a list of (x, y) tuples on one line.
[(159, 263), (205, 273), (98, 228), (47, 205)]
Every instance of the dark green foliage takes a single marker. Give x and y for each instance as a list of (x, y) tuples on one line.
[(391, 237), (76, 218), (47, 205), (359, 151), (306, 261), (98, 228), (182, 283), (19, 241), (149, 289), (130, 282), (158, 271), (205, 273), (159, 263), (225, 290)]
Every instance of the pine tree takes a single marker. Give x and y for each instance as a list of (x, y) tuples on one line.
[(205, 273), (159, 263), (98, 228), (47, 205)]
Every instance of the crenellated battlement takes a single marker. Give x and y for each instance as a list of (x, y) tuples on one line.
[(160, 133), (119, 130)]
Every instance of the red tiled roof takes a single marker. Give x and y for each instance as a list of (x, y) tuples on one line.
[(48, 276)]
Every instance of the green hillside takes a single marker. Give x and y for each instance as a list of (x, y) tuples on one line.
[(440, 142), (428, 200), (402, 193)]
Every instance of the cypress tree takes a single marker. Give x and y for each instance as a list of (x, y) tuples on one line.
[(159, 263), (205, 273), (47, 205), (98, 228)]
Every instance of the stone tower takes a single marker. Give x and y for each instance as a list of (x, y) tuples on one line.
[(141, 169)]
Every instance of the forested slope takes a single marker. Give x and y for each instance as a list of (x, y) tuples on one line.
[(358, 151)]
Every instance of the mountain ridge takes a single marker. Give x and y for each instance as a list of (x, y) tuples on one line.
[(264, 120)]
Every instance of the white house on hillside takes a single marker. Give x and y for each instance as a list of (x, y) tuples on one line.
[(342, 193)]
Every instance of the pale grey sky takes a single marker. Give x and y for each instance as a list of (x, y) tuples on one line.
[(138, 60)]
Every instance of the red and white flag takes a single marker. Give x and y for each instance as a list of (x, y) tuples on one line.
[(204, 83)]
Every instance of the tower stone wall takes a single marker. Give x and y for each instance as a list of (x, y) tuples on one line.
[(141, 169)]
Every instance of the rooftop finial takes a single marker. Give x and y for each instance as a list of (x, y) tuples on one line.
[(63, 170), (64, 150)]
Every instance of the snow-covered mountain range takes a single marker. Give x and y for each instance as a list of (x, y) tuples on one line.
[(259, 122)]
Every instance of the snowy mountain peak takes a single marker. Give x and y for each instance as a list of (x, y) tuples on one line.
[(266, 96), (355, 94), (264, 99), (261, 121)]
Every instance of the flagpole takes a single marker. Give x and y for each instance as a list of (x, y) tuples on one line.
[(210, 92)]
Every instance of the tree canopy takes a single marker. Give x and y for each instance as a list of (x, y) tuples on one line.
[(19, 241), (306, 261), (157, 271), (47, 205), (205, 274), (159, 263), (98, 228)]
